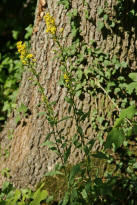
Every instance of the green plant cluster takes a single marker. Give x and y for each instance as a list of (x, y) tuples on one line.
[(12, 196), (125, 17), (12, 28)]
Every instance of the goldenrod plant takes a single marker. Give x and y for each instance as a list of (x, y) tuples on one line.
[(82, 186)]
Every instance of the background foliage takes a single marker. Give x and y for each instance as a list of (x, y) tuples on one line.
[(16, 21)]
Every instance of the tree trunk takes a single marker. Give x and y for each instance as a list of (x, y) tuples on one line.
[(27, 160)]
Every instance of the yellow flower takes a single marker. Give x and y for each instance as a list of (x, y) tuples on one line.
[(24, 55), (24, 62), (34, 60), (30, 55), (50, 24), (61, 30), (66, 78), (21, 47)]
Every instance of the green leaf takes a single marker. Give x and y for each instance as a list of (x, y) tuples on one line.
[(123, 64), (69, 100), (15, 34), (26, 194), (91, 143), (39, 196), (100, 155), (22, 203), (128, 112), (100, 25), (48, 143), (125, 113), (74, 171), (86, 150), (133, 76), (92, 83), (66, 198), (79, 74), (80, 130), (64, 118), (49, 135), (135, 165), (134, 129), (84, 194), (112, 25), (23, 108), (53, 173), (74, 197), (17, 119), (107, 63), (131, 87), (15, 198), (105, 17), (78, 93), (29, 30), (115, 136), (67, 154), (75, 12), (5, 185), (100, 11), (41, 114)]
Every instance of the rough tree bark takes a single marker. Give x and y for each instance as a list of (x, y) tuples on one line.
[(27, 160)]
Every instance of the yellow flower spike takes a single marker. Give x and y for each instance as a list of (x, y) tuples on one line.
[(34, 60), (24, 62), (66, 78), (29, 56), (50, 24), (22, 49)]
